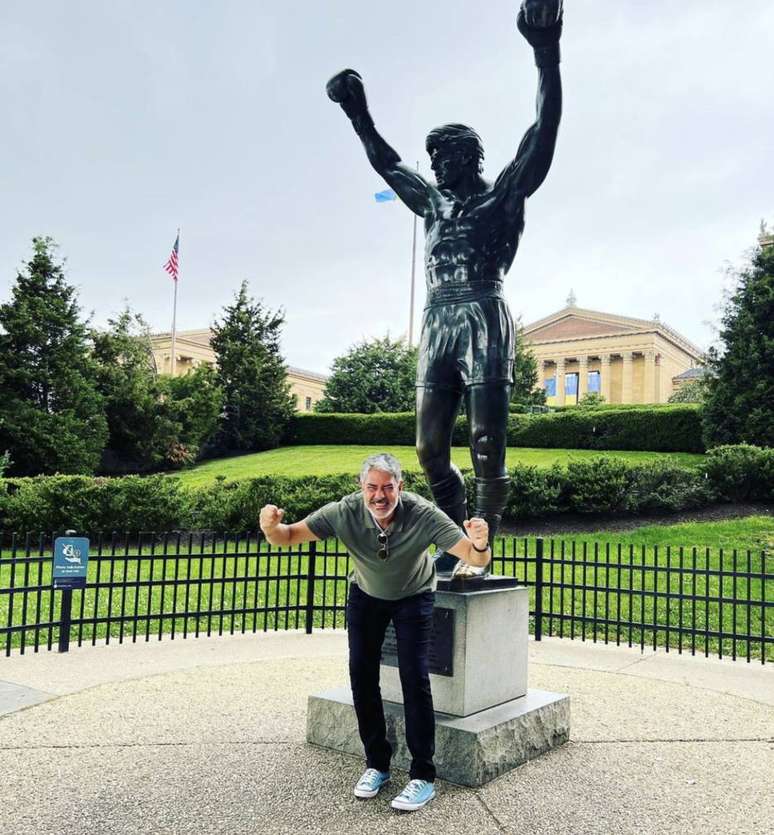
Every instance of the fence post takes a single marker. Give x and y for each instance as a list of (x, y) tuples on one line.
[(539, 588), (65, 614), (310, 586), (65, 619)]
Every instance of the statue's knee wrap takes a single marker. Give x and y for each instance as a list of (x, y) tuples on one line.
[(449, 495), (491, 499), (487, 446)]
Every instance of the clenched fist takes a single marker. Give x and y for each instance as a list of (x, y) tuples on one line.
[(540, 21), (478, 531), (346, 88), (270, 518)]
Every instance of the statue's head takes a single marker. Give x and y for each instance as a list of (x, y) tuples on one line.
[(455, 152)]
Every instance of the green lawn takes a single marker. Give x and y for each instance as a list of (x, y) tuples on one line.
[(328, 460), (638, 576)]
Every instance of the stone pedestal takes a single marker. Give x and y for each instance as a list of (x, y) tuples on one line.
[(487, 721), (470, 750), (489, 631)]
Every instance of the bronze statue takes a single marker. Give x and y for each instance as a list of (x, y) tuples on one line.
[(472, 232)]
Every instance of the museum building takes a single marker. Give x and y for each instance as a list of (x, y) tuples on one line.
[(625, 360), (193, 349)]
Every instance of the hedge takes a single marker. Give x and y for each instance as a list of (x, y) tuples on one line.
[(595, 486), (656, 429)]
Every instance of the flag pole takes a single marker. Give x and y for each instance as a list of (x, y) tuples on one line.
[(174, 310), (413, 275)]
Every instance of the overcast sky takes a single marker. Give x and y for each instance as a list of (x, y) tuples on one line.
[(120, 121)]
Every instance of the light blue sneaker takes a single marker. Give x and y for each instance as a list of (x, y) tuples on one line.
[(416, 794), (370, 783)]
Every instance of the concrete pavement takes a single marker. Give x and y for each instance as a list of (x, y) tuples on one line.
[(207, 736)]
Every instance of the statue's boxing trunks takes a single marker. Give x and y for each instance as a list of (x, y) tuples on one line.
[(467, 338)]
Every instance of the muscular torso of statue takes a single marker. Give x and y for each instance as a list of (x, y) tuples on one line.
[(470, 245), (472, 232)]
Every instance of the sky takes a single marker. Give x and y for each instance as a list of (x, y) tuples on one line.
[(122, 121)]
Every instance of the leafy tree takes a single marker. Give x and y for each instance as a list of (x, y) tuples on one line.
[(52, 414), (591, 399), (377, 375), (740, 394), (694, 391), (525, 374), (154, 421), (252, 376)]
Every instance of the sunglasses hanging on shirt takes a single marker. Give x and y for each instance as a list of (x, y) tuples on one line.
[(384, 549)]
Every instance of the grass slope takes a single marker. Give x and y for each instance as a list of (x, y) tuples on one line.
[(328, 460)]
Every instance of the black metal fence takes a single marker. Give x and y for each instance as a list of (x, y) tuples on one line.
[(147, 586)]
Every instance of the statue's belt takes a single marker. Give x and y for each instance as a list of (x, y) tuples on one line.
[(468, 292)]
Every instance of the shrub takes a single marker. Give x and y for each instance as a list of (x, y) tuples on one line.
[(131, 503), (659, 428), (535, 492), (599, 485), (740, 472), (398, 428), (666, 486), (672, 429)]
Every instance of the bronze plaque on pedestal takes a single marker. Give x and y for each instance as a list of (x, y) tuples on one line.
[(441, 647)]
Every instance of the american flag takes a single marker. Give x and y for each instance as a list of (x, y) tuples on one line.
[(171, 265)]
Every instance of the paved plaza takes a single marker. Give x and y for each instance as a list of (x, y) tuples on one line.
[(207, 736)]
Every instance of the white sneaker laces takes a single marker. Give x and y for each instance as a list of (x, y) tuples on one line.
[(414, 788), (371, 776)]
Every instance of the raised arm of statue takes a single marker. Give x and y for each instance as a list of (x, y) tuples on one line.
[(526, 172), (346, 88)]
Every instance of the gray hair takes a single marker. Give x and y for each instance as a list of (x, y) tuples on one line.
[(381, 461)]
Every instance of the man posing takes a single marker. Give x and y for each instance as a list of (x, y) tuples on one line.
[(387, 532), (472, 232)]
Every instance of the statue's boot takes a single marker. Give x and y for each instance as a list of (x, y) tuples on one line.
[(449, 495), (491, 499)]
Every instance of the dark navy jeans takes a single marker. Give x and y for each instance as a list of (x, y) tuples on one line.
[(367, 620)]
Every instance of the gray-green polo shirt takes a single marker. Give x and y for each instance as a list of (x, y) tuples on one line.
[(409, 568)]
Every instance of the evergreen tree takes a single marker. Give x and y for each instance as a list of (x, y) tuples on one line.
[(126, 379), (739, 405), (52, 417), (525, 389), (189, 410), (373, 376), (257, 406)]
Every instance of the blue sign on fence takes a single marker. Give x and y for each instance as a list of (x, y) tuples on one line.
[(71, 561)]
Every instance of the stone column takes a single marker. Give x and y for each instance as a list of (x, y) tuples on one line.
[(541, 374), (604, 377), (628, 378), (560, 382), (649, 378), (583, 376)]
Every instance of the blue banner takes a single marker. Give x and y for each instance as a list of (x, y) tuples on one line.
[(385, 196), (550, 385)]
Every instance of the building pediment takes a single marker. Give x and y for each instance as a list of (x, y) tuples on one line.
[(577, 323), (573, 326)]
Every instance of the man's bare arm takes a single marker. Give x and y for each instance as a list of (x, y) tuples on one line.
[(474, 550), (277, 533), (346, 88), (523, 176)]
